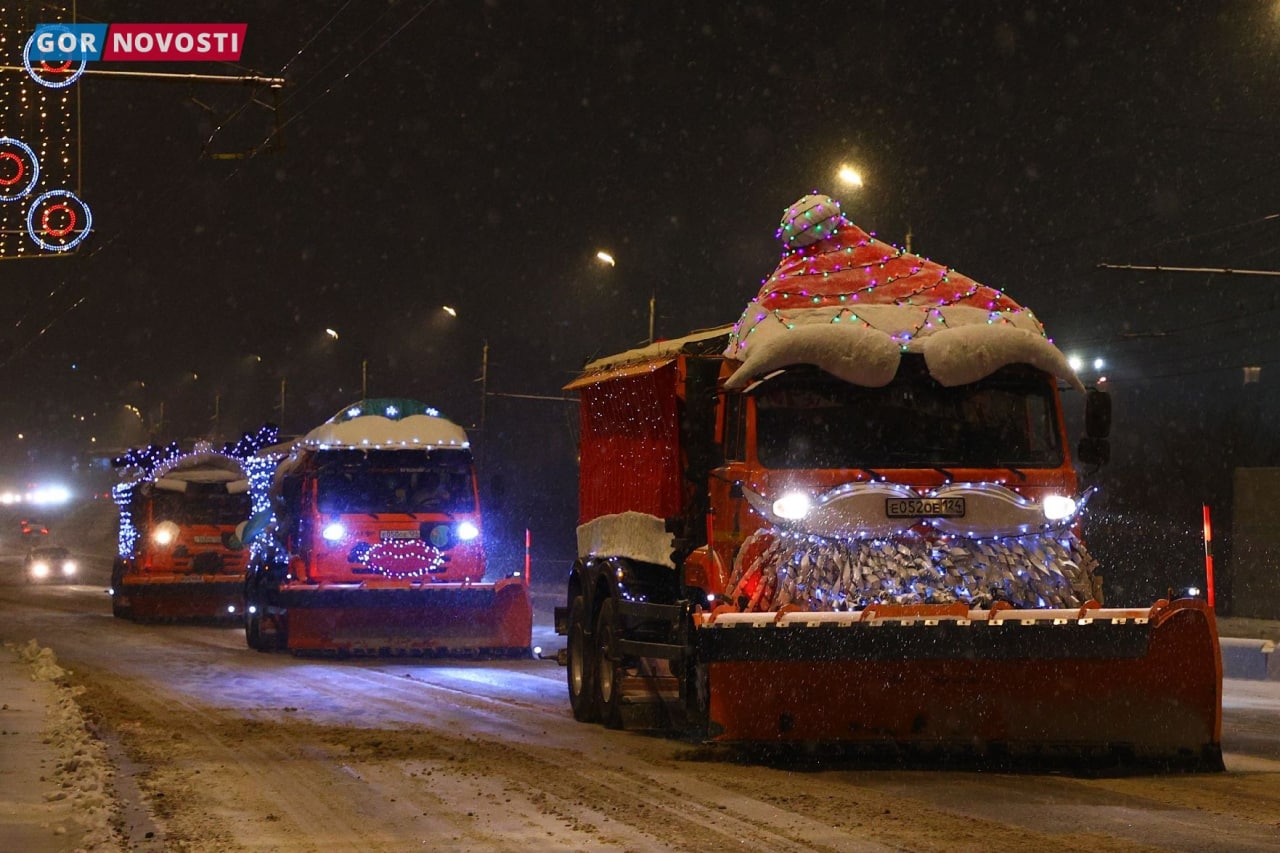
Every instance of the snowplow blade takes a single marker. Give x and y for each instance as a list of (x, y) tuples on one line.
[(481, 620), (184, 598), (1078, 686)]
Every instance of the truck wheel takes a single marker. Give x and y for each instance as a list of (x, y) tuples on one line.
[(581, 664), (253, 630), (608, 668), (118, 610)]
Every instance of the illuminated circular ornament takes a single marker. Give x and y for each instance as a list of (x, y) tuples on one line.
[(404, 558), (809, 220), (19, 169), (58, 221), (52, 75)]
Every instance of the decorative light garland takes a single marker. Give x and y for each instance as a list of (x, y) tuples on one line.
[(147, 464), (43, 102)]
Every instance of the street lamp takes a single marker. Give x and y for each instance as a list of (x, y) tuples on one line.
[(364, 369), (484, 370), (849, 176), (608, 260)]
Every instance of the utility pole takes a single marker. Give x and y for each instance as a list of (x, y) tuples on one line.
[(484, 383), (653, 299)]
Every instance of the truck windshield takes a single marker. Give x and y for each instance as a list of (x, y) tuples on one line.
[(200, 505), (396, 481), (806, 418)]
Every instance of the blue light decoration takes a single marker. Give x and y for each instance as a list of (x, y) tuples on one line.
[(146, 464), (61, 227), (26, 172), (63, 70)]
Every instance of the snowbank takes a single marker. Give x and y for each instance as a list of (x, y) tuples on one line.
[(82, 771), (634, 535)]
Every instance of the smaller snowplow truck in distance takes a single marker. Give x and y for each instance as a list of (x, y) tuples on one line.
[(852, 519), (376, 545), (182, 515)]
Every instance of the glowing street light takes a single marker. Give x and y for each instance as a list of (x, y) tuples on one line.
[(849, 176), (451, 311), (331, 333), (606, 258)]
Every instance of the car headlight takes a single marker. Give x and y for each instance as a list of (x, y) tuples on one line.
[(165, 533), (333, 532), (1058, 507), (466, 531), (40, 569), (792, 506), (69, 568)]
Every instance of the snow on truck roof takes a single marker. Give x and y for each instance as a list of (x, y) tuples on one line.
[(386, 423), (851, 304)]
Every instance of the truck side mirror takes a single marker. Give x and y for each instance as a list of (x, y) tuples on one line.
[(1094, 451), (1097, 413)]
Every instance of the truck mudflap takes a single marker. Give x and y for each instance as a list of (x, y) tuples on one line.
[(1141, 686), (458, 619), (176, 598)]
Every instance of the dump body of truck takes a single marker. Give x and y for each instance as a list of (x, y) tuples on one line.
[(181, 556), (377, 545), (853, 518)]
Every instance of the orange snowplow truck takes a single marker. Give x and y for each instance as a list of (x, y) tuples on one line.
[(182, 516), (373, 544), (852, 519)]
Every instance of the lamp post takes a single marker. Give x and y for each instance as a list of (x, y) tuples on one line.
[(484, 370), (364, 373), (607, 259)]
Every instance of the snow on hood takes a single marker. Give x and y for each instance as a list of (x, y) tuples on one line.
[(851, 304)]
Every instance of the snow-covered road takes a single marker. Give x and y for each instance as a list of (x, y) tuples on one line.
[(218, 747)]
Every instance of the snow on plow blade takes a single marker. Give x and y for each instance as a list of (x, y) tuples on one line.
[(488, 620), (189, 598), (1141, 686)]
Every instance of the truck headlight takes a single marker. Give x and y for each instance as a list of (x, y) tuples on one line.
[(466, 531), (40, 569), (69, 568), (1058, 507), (792, 506), (333, 532), (165, 533)]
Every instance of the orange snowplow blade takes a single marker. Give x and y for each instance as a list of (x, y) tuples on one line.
[(488, 620), (182, 597), (1141, 685)]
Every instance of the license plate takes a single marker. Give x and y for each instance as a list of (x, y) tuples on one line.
[(389, 535), (924, 507)]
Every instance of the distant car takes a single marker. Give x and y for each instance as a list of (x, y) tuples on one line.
[(50, 564), (33, 529)]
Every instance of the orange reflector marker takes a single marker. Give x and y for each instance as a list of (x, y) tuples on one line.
[(1208, 556)]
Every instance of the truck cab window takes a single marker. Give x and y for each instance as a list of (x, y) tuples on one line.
[(809, 419)]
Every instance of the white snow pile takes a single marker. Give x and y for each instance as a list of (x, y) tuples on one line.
[(634, 535), (83, 773), (370, 431), (862, 345), (819, 574)]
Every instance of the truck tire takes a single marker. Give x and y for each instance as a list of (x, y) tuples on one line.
[(253, 630), (608, 669), (581, 665)]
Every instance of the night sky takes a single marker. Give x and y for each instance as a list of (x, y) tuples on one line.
[(480, 154)]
